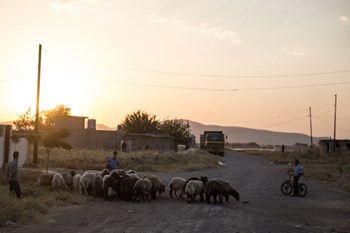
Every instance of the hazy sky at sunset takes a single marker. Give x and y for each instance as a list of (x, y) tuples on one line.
[(258, 64)]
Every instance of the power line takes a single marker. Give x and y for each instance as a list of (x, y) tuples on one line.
[(213, 89), (331, 124), (17, 75), (207, 75)]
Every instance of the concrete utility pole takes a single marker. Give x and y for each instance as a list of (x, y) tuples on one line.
[(335, 122), (36, 127), (310, 128)]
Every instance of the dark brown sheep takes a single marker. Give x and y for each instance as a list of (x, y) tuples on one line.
[(127, 186), (97, 186), (213, 189), (228, 190)]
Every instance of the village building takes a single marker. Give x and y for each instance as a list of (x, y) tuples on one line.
[(329, 146), (84, 134)]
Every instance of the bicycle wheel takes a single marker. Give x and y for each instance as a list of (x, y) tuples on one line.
[(302, 190), (286, 188)]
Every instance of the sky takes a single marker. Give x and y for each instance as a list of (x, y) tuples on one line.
[(257, 64)]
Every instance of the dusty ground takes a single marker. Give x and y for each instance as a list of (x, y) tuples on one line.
[(262, 207)]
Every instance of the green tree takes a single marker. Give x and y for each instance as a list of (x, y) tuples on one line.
[(140, 122), (177, 129), (51, 115), (25, 121), (55, 139), (47, 118)]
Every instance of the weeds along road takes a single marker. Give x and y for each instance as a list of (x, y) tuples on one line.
[(262, 208)]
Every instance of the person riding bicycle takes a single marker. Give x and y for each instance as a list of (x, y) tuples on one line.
[(298, 171)]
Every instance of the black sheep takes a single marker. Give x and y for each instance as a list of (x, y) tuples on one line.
[(213, 189), (127, 186)]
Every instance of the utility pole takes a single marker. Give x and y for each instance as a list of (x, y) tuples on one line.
[(310, 128), (335, 122), (36, 127)]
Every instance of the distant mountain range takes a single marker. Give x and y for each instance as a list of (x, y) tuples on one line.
[(245, 135), (240, 134)]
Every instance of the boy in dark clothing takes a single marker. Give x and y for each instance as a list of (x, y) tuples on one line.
[(12, 175)]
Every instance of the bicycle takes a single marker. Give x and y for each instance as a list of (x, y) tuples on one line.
[(287, 187)]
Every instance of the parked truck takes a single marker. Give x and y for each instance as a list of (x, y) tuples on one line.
[(213, 142)]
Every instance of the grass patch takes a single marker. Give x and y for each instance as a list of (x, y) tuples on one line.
[(333, 168), (141, 161), (35, 200)]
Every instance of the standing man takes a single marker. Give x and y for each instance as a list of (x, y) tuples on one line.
[(12, 175), (282, 148), (112, 162), (298, 171)]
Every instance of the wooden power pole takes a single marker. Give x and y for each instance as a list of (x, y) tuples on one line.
[(335, 122), (310, 127), (36, 127)]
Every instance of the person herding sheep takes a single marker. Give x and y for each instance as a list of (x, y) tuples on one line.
[(112, 162)]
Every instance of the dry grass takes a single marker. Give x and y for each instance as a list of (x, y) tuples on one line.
[(331, 168), (142, 161), (35, 200)]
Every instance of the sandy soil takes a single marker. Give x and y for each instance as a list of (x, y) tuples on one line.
[(262, 207)]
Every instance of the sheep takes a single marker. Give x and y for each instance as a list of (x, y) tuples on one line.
[(214, 188), (68, 178), (45, 179), (111, 185), (97, 186), (87, 180), (58, 182), (102, 173), (86, 183), (194, 188), (76, 180), (132, 173), (142, 188), (176, 184), (127, 186), (204, 179), (157, 185), (229, 190)]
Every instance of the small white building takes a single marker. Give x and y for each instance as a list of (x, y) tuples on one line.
[(7, 147)]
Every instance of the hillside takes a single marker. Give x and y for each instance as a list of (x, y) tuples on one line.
[(245, 135)]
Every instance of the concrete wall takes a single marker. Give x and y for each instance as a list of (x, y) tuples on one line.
[(94, 139), (136, 142), (112, 140)]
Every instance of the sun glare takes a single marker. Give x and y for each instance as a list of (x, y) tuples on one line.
[(57, 89)]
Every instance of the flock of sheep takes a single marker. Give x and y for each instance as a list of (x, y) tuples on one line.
[(127, 185)]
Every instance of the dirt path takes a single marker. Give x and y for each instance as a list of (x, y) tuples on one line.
[(262, 207)]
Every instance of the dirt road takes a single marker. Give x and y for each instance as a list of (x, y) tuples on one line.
[(262, 207)]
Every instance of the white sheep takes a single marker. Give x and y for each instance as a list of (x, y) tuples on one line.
[(194, 188), (45, 179), (58, 182), (86, 182), (76, 180), (176, 184), (142, 188), (132, 173)]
